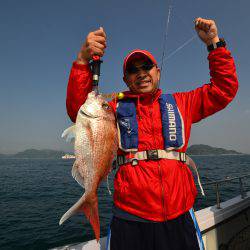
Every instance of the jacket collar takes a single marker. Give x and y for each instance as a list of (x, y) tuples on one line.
[(145, 98)]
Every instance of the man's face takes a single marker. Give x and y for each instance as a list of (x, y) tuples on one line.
[(142, 76)]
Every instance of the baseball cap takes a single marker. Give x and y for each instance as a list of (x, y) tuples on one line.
[(137, 53)]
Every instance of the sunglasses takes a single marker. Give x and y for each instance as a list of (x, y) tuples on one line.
[(135, 69)]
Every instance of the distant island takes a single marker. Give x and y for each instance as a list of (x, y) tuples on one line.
[(35, 153), (54, 154), (201, 149)]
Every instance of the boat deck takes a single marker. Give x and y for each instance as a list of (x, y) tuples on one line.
[(226, 227)]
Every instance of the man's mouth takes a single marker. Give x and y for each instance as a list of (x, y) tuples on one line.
[(143, 82)]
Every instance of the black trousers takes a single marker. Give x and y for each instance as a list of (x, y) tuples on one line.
[(176, 234)]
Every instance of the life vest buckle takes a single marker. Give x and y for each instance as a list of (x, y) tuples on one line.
[(152, 154), (182, 156)]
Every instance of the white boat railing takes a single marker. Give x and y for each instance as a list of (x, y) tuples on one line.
[(218, 183), (209, 219)]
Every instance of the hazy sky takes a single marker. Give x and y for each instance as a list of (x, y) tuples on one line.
[(40, 39)]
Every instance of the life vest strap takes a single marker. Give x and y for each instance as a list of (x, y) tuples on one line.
[(157, 154), (154, 154)]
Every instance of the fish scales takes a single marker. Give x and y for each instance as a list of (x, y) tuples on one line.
[(95, 147)]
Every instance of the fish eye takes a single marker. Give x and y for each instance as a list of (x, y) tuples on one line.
[(105, 106)]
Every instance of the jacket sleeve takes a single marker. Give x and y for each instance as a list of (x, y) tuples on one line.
[(79, 85), (213, 97)]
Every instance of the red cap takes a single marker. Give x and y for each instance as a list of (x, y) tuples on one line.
[(137, 53)]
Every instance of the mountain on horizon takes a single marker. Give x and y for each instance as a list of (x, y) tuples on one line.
[(199, 149), (35, 153)]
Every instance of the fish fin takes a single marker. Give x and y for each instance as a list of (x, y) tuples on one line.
[(76, 174), (69, 134), (73, 210), (90, 209)]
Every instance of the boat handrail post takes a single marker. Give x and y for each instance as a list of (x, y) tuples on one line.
[(216, 184), (217, 195), (242, 191)]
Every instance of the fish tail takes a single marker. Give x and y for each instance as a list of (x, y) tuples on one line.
[(90, 208)]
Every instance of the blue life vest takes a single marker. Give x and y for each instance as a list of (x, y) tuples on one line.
[(172, 124)]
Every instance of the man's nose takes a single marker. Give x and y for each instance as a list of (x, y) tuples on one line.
[(141, 74)]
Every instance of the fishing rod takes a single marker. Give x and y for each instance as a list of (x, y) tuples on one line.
[(96, 69)]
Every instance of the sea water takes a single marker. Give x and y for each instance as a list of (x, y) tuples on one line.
[(35, 193)]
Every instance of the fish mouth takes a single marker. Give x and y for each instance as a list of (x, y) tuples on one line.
[(85, 113)]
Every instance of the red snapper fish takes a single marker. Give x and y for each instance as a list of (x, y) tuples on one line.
[(95, 134)]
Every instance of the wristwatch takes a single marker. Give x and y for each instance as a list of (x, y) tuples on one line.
[(213, 46)]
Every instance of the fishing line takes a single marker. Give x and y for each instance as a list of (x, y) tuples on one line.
[(108, 187), (181, 47), (165, 39)]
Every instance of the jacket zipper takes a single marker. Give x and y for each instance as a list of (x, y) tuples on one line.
[(159, 166)]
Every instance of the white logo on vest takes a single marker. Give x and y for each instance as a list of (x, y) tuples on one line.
[(172, 123), (125, 123)]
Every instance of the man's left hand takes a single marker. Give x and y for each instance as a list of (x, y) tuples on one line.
[(206, 30)]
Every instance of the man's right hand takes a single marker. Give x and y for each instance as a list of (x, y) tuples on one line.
[(95, 44)]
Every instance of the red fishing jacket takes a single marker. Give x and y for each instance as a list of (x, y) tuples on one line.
[(163, 189)]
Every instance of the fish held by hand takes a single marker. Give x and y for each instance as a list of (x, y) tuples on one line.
[(95, 146)]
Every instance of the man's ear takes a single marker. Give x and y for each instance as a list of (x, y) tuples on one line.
[(158, 74), (125, 79)]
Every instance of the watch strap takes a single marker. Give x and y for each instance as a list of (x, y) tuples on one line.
[(214, 46)]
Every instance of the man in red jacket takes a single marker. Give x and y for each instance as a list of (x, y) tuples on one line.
[(154, 188)]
